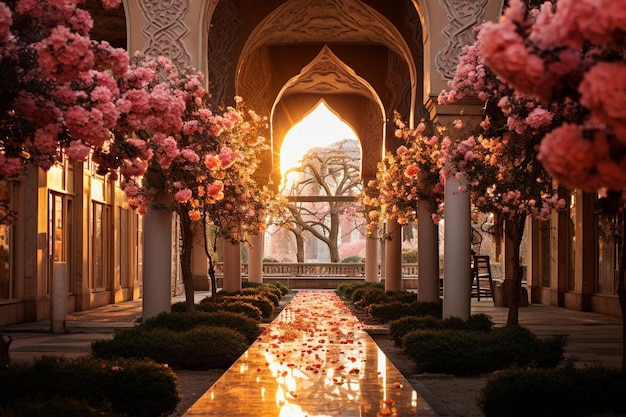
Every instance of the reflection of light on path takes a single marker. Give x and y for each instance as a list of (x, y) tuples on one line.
[(313, 360)]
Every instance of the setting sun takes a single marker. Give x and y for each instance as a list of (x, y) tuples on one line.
[(321, 127)]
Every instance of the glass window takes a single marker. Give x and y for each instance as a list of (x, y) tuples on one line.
[(99, 246), (59, 235), (7, 280), (608, 255)]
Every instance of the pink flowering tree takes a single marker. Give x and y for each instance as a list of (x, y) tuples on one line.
[(58, 89), (240, 209), (404, 178), (572, 53), (504, 175), (203, 160)]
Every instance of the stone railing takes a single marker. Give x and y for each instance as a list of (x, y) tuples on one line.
[(288, 269)]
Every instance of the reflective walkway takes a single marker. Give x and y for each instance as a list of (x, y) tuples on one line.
[(313, 360)]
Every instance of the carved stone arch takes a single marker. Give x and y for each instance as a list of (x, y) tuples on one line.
[(327, 77), (325, 21)]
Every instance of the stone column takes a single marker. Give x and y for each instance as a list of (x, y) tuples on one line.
[(58, 302), (200, 266), (457, 251), (393, 256), (371, 259), (255, 258), (232, 267), (428, 253), (157, 267)]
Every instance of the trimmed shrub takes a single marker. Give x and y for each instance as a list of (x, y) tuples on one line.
[(242, 307), (410, 256), (394, 310), (347, 288), (126, 387), (179, 322), (564, 391), (477, 323), (260, 290), (470, 353), (273, 290), (250, 284), (179, 307), (363, 297), (260, 301), (403, 296), (283, 288), (269, 259), (199, 348), (354, 259), (398, 328)]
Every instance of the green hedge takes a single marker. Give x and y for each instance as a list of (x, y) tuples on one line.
[(242, 307), (395, 310), (346, 289), (199, 348), (468, 353), (476, 322), (283, 288), (186, 321), (128, 387), (259, 300), (564, 391)]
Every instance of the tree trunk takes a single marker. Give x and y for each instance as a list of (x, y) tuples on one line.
[(333, 238), (185, 260), (5, 360), (514, 230), (299, 247), (621, 293), (209, 254)]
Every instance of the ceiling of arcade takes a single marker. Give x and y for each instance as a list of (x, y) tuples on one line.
[(363, 57)]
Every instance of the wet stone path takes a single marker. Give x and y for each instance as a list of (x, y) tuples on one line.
[(313, 360)]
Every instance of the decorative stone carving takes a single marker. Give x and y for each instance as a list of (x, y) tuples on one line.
[(463, 15), (398, 84), (372, 140), (327, 74), (255, 88), (225, 23), (306, 21), (166, 29)]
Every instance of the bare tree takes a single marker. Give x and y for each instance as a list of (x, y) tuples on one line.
[(328, 179)]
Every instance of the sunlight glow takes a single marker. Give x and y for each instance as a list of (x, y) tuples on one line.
[(321, 127)]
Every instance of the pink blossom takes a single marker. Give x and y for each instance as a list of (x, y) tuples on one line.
[(567, 156), (226, 156), (538, 118), (603, 92), (6, 20), (194, 215), (77, 151), (401, 150), (183, 196), (212, 162), (10, 167), (134, 167), (190, 155), (64, 54), (411, 171)]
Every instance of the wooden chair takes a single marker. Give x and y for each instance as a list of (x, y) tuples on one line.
[(481, 269)]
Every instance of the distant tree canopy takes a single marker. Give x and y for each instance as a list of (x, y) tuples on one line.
[(323, 175)]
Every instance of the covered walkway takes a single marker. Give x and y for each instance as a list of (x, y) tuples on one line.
[(314, 359)]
